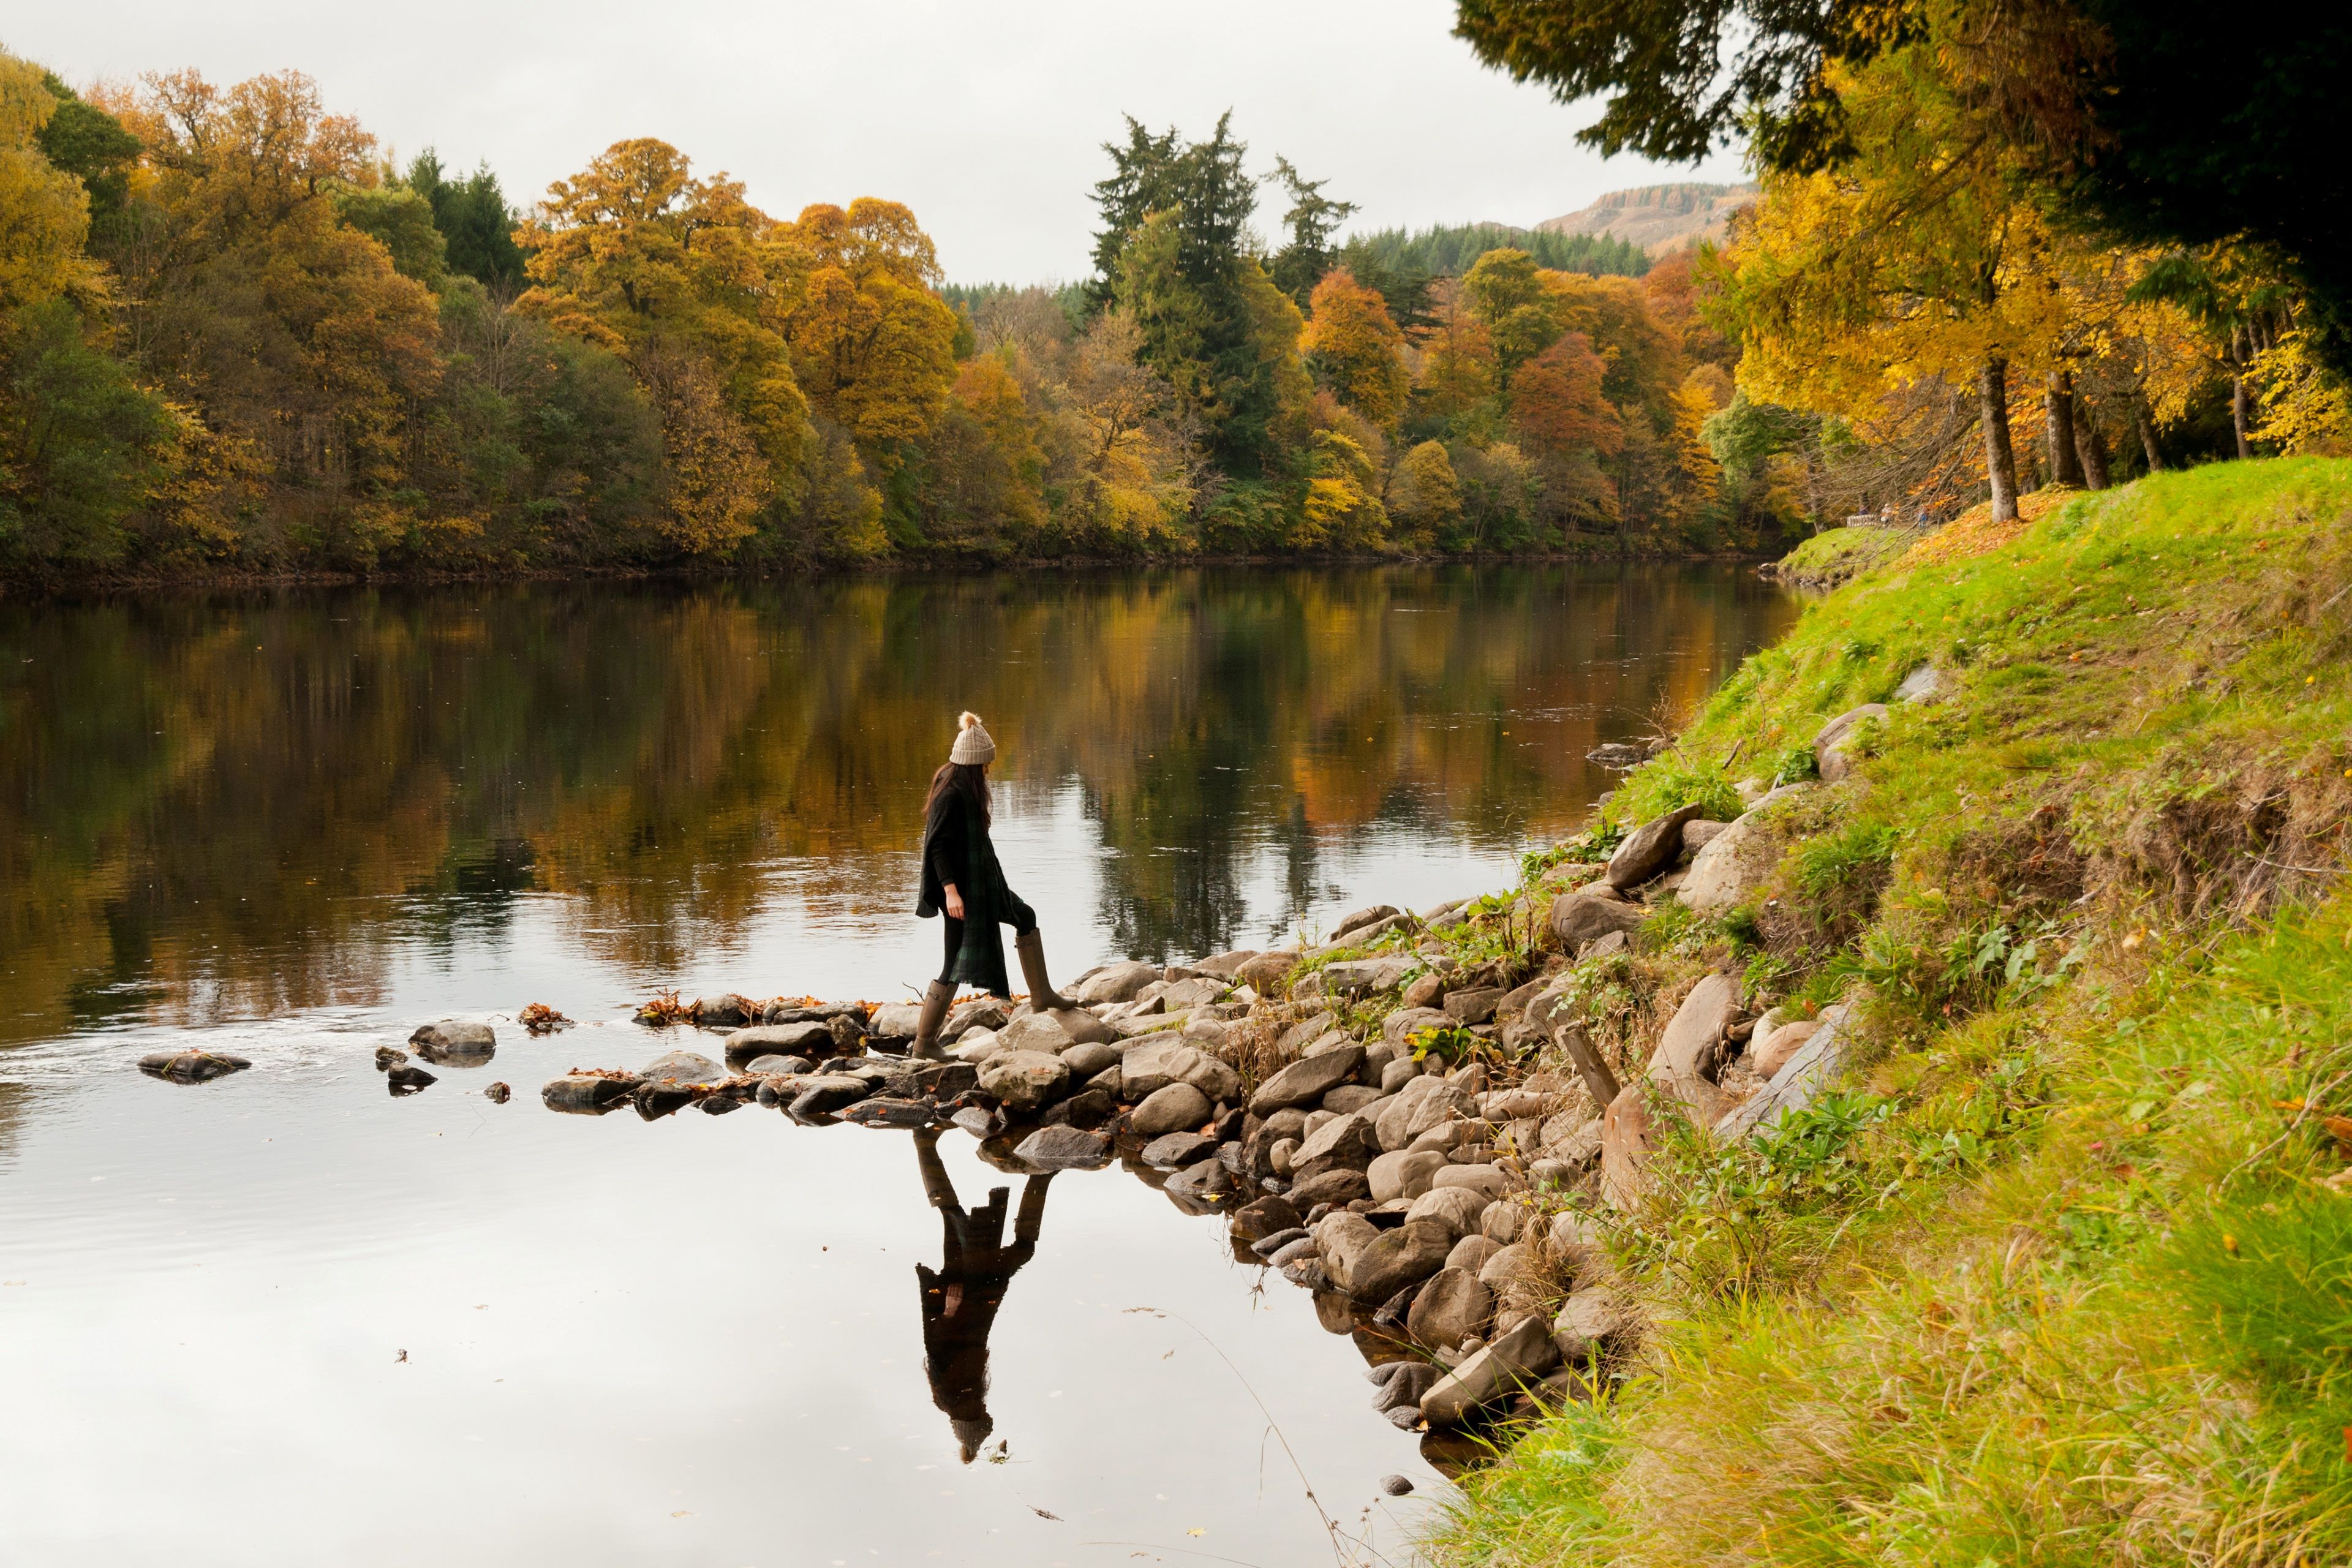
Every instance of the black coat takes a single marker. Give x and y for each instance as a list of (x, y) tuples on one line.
[(956, 848)]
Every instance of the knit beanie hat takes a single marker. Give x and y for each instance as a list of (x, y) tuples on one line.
[(971, 743)]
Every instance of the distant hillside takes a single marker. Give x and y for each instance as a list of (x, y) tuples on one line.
[(1453, 249), (1657, 218)]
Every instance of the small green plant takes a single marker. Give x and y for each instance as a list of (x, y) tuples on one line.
[(1796, 765), (1452, 1045)]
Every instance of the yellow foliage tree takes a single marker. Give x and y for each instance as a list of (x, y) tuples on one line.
[(1919, 260), (44, 212), (1354, 348), (689, 282)]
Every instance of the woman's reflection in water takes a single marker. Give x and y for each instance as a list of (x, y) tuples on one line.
[(960, 1300)]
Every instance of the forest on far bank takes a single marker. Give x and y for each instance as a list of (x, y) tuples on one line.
[(236, 339)]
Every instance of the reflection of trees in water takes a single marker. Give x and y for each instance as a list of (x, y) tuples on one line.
[(960, 1298), (254, 798)]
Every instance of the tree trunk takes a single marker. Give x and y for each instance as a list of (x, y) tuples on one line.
[(2000, 458), (2091, 446), (2059, 398), (2147, 428), (2238, 401)]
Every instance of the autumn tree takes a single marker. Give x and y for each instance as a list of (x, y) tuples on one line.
[(1920, 260), (1355, 350), (692, 285), (251, 301)]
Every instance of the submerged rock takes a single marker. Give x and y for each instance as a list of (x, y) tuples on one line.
[(587, 1093), (883, 1111), (455, 1042), (192, 1066), (403, 1080)]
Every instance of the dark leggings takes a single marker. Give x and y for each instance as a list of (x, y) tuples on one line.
[(952, 936)]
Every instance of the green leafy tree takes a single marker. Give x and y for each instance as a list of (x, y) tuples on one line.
[(474, 219), (1313, 219)]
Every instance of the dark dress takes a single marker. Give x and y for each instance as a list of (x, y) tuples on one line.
[(956, 849), (962, 1297)]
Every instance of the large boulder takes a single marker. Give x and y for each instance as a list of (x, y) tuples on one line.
[(1769, 1055), (1397, 1259), (1689, 1056), (1117, 982), (1041, 1032), (1837, 746), (1362, 976), (1149, 1067), (1731, 870), (1924, 684), (1519, 1355), (1625, 1148), (1092, 1056), (1456, 1208), (1580, 919), (1342, 1142), (1340, 1239), (1812, 1068), (1226, 965), (1649, 849), (1340, 1186), (1586, 1323), (1420, 1105), (1306, 1080), (1262, 1217), (1402, 1173), (1265, 972), (1169, 1109), (1025, 1081), (1475, 1006), (1398, 1028), (1356, 921), (892, 1020), (1486, 1179), (1452, 1306)]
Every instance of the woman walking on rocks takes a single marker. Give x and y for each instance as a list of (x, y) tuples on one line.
[(963, 879)]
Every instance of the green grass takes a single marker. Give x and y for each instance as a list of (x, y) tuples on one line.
[(2063, 1276), (1827, 560)]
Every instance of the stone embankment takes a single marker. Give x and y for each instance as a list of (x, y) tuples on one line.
[(1411, 1120)]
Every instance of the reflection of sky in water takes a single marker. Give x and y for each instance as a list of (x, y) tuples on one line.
[(304, 823)]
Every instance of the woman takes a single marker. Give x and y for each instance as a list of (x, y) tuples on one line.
[(961, 877)]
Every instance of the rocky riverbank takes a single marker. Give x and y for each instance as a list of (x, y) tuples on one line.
[(1414, 1119)]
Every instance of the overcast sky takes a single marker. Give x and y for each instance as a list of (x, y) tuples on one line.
[(985, 116)]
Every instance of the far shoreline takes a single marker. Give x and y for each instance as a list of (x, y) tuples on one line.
[(65, 588)]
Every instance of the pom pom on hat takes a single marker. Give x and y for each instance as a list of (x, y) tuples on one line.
[(973, 744)]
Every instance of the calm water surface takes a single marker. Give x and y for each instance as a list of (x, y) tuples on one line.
[(286, 1319)]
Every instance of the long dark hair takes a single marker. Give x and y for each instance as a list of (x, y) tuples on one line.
[(968, 779)]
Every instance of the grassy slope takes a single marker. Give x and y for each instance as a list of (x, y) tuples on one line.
[(2066, 1277)]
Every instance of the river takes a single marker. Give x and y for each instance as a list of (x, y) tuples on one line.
[(287, 1318)]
